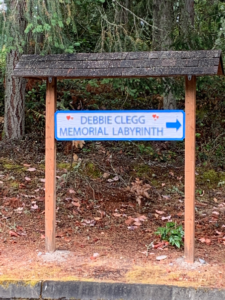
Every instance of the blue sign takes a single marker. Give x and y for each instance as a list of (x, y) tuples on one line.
[(151, 125)]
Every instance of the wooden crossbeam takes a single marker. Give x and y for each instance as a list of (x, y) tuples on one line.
[(124, 64)]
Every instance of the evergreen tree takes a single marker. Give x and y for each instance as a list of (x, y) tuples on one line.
[(34, 27)]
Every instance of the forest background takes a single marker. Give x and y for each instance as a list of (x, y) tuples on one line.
[(100, 185), (70, 26)]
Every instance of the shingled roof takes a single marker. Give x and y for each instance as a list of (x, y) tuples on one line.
[(121, 64)]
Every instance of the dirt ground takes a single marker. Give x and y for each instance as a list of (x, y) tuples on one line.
[(109, 236)]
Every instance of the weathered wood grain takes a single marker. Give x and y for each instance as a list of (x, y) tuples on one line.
[(110, 73), (121, 64), (190, 157), (117, 64), (50, 170)]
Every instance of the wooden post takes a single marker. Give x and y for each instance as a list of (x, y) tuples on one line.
[(190, 109), (50, 166)]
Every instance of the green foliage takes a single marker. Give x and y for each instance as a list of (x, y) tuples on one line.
[(145, 149), (50, 26), (172, 233), (210, 176), (206, 32), (163, 156)]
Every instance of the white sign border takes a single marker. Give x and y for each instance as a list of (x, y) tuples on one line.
[(119, 111)]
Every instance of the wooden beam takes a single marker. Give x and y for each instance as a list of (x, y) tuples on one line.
[(190, 109), (50, 166), (220, 68)]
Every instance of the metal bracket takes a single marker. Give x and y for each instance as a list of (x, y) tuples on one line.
[(50, 79), (189, 77)]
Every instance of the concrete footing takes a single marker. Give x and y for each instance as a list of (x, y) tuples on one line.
[(103, 291)]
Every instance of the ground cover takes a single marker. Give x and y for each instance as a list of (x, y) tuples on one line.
[(109, 236)]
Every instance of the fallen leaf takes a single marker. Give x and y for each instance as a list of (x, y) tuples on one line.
[(116, 178), (31, 169), (202, 240), (34, 206), (117, 215), (19, 210), (132, 227), (203, 192), (208, 241), (106, 175), (142, 218), (215, 213), (166, 197), (77, 204), (158, 245), (97, 219), (137, 223), (19, 228), (95, 255), (12, 233), (163, 184), (201, 204), (215, 200), (89, 223), (129, 221), (42, 180), (71, 191), (93, 258), (102, 213), (76, 199), (27, 179), (67, 239), (162, 257), (166, 218), (78, 144), (26, 165), (180, 214), (218, 232), (75, 157), (22, 186), (160, 212)]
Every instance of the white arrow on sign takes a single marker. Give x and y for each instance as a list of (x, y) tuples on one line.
[(137, 125)]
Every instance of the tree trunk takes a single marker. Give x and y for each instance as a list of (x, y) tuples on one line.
[(190, 13), (156, 36), (162, 28), (14, 100), (14, 87), (169, 101), (187, 21), (125, 14), (162, 24)]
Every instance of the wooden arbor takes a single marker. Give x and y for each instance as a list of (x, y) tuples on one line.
[(113, 65)]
